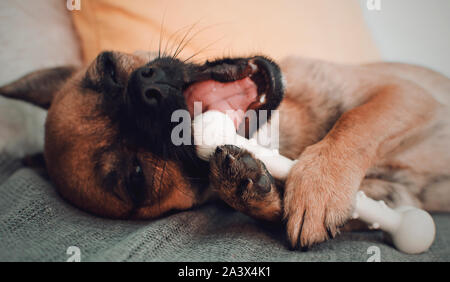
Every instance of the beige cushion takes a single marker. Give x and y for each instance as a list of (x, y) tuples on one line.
[(325, 29)]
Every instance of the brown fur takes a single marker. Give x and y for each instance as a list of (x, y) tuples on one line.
[(389, 124), (74, 131), (235, 176), (383, 128)]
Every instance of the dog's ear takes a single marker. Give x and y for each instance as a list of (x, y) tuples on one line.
[(38, 87)]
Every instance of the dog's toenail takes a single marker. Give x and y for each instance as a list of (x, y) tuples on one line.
[(219, 150), (245, 185), (229, 159), (264, 184)]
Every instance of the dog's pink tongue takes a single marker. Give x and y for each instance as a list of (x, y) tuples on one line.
[(231, 98)]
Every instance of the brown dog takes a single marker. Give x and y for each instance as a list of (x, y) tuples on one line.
[(383, 128)]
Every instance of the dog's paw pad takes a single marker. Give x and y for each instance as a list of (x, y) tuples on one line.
[(243, 181)]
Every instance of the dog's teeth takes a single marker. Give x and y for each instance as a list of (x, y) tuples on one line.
[(253, 66), (262, 99)]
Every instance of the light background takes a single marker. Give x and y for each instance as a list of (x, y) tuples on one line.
[(412, 31)]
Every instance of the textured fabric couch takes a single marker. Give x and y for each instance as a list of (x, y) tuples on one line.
[(37, 225)]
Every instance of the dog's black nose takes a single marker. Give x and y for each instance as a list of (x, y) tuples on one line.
[(151, 86), (156, 87)]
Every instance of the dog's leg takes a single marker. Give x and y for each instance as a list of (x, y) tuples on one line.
[(320, 189), (244, 183), (436, 197), (392, 193)]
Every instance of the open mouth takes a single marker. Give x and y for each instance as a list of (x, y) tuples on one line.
[(236, 88)]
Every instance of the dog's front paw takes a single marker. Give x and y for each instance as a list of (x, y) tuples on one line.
[(319, 196), (244, 183)]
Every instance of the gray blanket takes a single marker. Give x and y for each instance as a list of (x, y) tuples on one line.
[(37, 225)]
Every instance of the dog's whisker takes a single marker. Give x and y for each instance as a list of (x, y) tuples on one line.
[(201, 50), (192, 37), (161, 33), (180, 46), (160, 184), (171, 37)]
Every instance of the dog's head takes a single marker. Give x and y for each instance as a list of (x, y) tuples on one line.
[(109, 131)]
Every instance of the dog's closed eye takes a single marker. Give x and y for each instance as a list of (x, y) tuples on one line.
[(109, 70), (136, 184), (104, 76)]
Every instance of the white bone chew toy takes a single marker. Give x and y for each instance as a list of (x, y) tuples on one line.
[(412, 230)]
